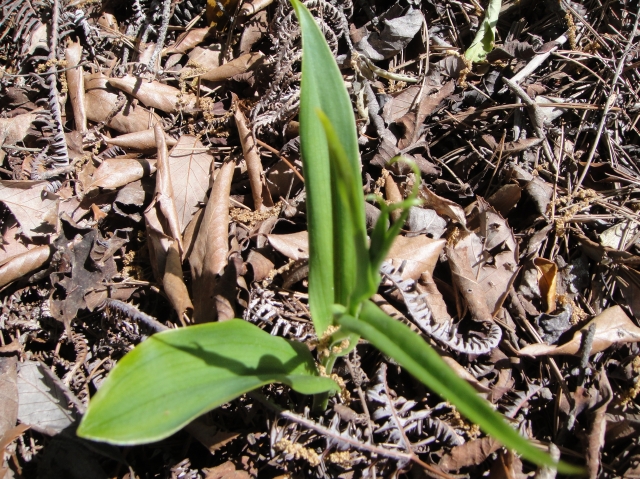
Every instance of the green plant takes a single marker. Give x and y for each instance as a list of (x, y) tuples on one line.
[(175, 376)]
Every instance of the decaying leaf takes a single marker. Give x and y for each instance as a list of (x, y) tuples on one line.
[(386, 40), (22, 264), (612, 326), (116, 172), (190, 165), (42, 402), (8, 394), (547, 271), (144, 140), (209, 254), (469, 454), (173, 284), (75, 80), (443, 206), (235, 67), (35, 209), (259, 188), (85, 263), (102, 104), (156, 95)]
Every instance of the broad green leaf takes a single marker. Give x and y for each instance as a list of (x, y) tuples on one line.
[(358, 284), (175, 376), (332, 249), (406, 347), (483, 42)]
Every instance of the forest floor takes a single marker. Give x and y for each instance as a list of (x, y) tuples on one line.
[(530, 166)]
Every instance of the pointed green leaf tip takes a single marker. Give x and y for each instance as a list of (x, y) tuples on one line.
[(417, 357), (483, 42), (175, 376), (332, 251)]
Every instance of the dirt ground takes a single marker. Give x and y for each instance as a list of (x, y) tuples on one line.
[(529, 174)]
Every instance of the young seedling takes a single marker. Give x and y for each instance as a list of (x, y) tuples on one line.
[(175, 376)]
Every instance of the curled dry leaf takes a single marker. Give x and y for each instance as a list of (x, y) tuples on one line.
[(493, 256), (156, 95), (259, 188), (294, 246), (464, 278), (8, 394), (511, 146), (598, 426), (242, 64), (23, 264), (505, 199), (613, 326), (392, 194), (547, 272), (34, 208), (101, 103), (42, 401), (144, 140), (469, 454), (75, 80), (173, 283), (420, 254), (13, 130), (190, 164), (442, 206), (211, 247), (466, 375), (161, 217), (187, 40), (116, 172)]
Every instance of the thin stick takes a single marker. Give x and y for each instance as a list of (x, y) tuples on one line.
[(277, 153)]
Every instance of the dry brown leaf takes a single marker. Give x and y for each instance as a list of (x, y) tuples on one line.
[(174, 286), (161, 217), (116, 172), (13, 130), (144, 140), (294, 246), (101, 101), (190, 164), (420, 254), (211, 247), (547, 273), (75, 80), (8, 394), (164, 194), (259, 188), (187, 40), (156, 95), (613, 326), (23, 264), (254, 6), (506, 198), (507, 466), (392, 194), (226, 471), (239, 65), (511, 146), (603, 254), (13, 243), (34, 208), (434, 299), (443, 206), (598, 426), (471, 453), (465, 279), (260, 265), (466, 375), (493, 256)]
